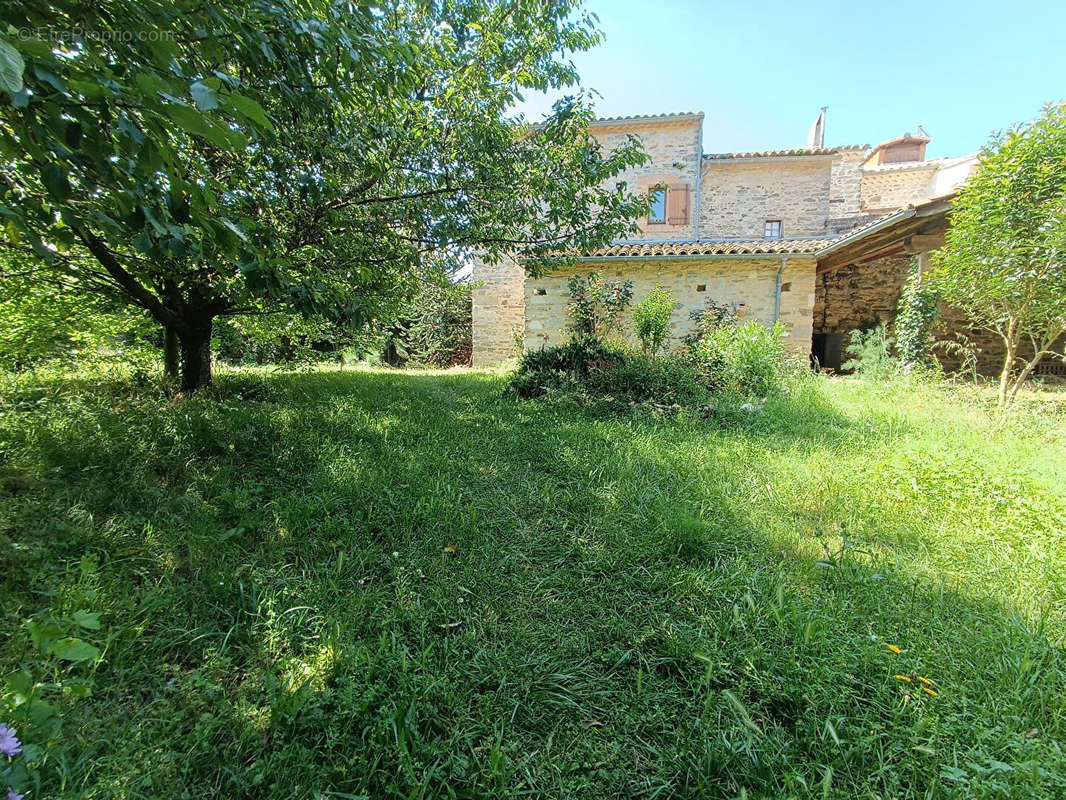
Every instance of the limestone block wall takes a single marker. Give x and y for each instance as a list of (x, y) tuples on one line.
[(748, 284), (674, 151), (498, 309), (739, 196), (845, 187), (890, 187)]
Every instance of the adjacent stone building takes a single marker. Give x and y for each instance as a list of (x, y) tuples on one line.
[(769, 233)]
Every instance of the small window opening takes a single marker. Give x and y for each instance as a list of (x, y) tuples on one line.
[(540, 291), (786, 287), (657, 214), (772, 229), (701, 287)]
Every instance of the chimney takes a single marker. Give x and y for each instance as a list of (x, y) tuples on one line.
[(816, 135)]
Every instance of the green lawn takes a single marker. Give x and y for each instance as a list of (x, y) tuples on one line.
[(634, 607)]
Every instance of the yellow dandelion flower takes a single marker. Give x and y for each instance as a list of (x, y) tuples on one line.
[(894, 649), (930, 692), (926, 681), (903, 678)]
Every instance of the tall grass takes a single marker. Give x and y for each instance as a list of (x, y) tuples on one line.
[(369, 584)]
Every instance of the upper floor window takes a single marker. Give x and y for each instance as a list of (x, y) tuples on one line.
[(668, 202), (658, 205), (772, 229)]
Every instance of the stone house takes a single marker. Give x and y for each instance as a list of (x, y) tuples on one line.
[(818, 238)]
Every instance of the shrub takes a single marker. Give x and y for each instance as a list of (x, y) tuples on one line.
[(587, 367), (706, 320), (871, 354), (596, 305), (651, 319), (745, 359), (564, 367)]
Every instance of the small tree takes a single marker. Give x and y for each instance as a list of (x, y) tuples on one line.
[(651, 319), (596, 304), (1004, 263)]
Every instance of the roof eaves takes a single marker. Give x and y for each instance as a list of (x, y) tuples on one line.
[(788, 153), (648, 119)]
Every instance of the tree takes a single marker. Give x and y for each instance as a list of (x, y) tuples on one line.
[(1004, 262), (298, 154)]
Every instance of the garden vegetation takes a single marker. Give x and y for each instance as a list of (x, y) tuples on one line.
[(384, 584)]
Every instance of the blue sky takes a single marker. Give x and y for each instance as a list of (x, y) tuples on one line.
[(761, 71)]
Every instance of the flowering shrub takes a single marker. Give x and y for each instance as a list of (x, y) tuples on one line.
[(597, 305)]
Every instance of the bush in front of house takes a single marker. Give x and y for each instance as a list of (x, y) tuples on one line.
[(570, 367), (590, 369), (723, 357), (871, 354), (745, 358), (651, 319)]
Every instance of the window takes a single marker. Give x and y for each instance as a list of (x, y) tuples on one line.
[(701, 287), (658, 205), (772, 229)]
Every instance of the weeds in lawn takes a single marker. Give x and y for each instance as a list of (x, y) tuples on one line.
[(366, 584)]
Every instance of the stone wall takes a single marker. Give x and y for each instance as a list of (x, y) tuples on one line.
[(739, 196), (891, 187), (859, 296), (674, 151), (748, 284), (845, 185), (499, 310)]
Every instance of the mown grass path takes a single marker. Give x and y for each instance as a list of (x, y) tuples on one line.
[(376, 584)]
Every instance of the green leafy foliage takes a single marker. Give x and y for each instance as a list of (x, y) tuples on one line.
[(651, 319), (55, 674), (435, 328), (871, 354), (283, 339), (738, 362), (45, 322), (298, 156), (747, 359), (596, 305), (915, 317), (1004, 262)]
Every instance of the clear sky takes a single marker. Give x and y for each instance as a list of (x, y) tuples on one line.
[(760, 71)]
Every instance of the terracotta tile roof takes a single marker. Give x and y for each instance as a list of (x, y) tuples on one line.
[(677, 117), (795, 151), (721, 247)]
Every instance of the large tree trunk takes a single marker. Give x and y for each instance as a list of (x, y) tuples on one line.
[(196, 356), (171, 352)]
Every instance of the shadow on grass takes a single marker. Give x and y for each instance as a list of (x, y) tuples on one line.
[(385, 584)]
